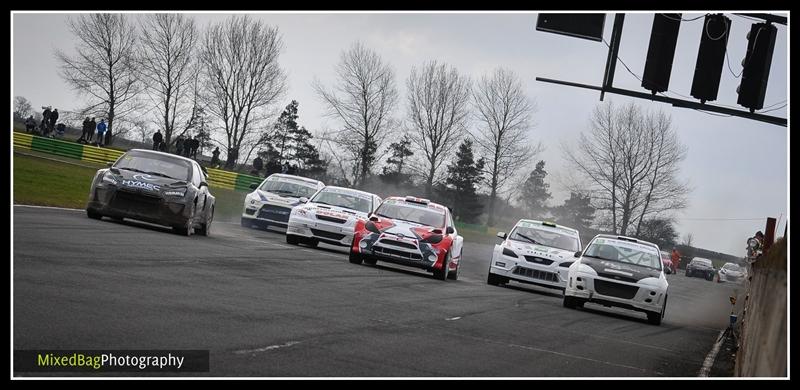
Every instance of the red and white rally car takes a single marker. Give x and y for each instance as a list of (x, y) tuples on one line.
[(409, 231)]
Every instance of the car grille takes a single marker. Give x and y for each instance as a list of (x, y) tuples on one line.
[(617, 277), (394, 252), (275, 213), (330, 219), (617, 290), (140, 203), (398, 243), (328, 235), (538, 260), (535, 274)]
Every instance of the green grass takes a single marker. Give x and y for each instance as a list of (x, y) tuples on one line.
[(42, 182), (50, 183)]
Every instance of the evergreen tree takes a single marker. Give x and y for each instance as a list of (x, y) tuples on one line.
[(534, 194), (393, 171), (576, 212), (463, 176)]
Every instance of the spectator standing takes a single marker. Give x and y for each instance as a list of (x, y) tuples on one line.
[(53, 119), (158, 138), (45, 120), (101, 131), (195, 146), (258, 164), (215, 157), (179, 146), (30, 124)]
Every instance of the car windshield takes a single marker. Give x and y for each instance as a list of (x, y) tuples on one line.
[(343, 198), (288, 188), (541, 236), (155, 164), (624, 252), (731, 267), (421, 215), (704, 262)]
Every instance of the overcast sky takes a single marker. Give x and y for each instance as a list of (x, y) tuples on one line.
[(737, 167)]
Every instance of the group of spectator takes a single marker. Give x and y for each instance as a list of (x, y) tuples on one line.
[(90, 128), (47, 127), (186, 147)]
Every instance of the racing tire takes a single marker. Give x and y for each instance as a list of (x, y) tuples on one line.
[(495, 280), (312, 242), (292, 239), (688, 274), (570, 302), (93, 214), (442, 274), (453, 275), (710, 277), (356, 258), (370, 260), (247, 223)]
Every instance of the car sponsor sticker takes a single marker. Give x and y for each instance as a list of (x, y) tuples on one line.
[(556, 229), (141, 185), (630, 245), (331, 213)]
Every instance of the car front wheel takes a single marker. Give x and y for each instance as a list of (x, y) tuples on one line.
[(356, 258), (93, 214), (441, 274)]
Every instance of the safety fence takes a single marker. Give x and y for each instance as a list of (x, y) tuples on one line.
[(216, 177)]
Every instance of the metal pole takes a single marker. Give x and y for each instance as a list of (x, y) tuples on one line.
[(613, 52), (769, 234)]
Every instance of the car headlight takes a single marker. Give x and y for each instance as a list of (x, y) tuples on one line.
[(108, 177), (179, 193), (509, 252)]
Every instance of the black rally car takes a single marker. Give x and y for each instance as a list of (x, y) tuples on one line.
[(154, 187)]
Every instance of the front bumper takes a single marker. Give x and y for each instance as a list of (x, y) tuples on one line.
[(400, 250), (328, 232), (267, 214), (731, 278), (610, 292), (140, 205), (522, 270)]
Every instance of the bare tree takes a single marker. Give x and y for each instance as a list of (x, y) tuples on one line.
[(503, 114), (362, 101), (104, 67), (437, 105), (688, 239), (22, 107), (167, 67), (239, 62), (630, 162)]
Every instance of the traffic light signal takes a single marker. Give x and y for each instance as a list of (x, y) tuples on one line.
[(711, 57), (760, 45), (663, 38)]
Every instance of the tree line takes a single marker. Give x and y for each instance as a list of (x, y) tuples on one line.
[(461, 141)]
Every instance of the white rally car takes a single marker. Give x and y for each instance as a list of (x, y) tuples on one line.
[(621, 272), (330, 216), (534, 252), (272, 201)]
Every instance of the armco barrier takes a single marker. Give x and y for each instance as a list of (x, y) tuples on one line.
[(216, 177)]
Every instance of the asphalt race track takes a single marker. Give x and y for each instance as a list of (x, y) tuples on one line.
[(265, 308)]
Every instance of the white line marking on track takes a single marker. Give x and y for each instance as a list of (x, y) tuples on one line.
[(267, 348), (452, 318), (46, 207), (712, 355)]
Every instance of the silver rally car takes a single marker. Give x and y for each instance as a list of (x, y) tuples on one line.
[(534, 252), (272, 201)]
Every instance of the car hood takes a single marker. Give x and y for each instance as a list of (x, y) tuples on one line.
[(407, 229), (334, 211), (144, 182), (542, 251), (620, 271), (273, 198)]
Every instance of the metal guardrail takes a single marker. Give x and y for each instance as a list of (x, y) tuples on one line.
[(216, 177)]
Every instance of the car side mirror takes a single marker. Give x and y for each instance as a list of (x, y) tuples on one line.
[(253, 186), (578, 254), (450, 230), (373, 218), (502, 235), (203, 184), (303, 199)]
